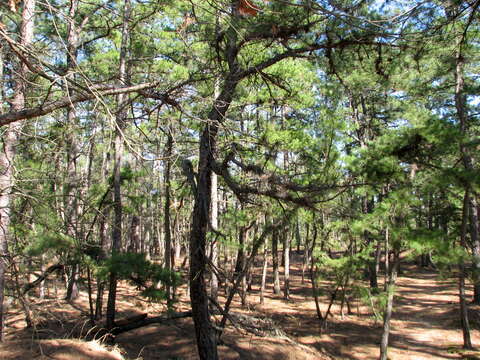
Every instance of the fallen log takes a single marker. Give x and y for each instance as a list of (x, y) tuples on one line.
[(131, 319), (149, 321), (132, 323)]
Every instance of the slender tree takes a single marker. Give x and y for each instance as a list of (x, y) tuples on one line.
[(120, 123), (7, 154)]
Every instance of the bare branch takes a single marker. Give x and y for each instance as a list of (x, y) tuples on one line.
[(42, 277), (48, 107)]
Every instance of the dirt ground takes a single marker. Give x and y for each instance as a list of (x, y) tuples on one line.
[(425, 325)]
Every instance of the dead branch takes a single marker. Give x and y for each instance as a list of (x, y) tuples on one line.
[(48, 107), (27, 287)]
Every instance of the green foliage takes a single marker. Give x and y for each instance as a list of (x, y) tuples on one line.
[(359, 117), (50, 242), (141, 272), (376, 302)]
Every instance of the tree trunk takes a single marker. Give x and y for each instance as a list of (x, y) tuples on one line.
[(313, 275), (7, 152), (71, 181), (117, 166), (72, 287), (467, 342), (286, 252), (387, 258), (214, 245), (276, 277), (102, 229), (462, 115), (372, 266), (214, 222), (167, 227), (306, 252), (135, 235), (264, 274), (388, 312), (474, 236), (204, 331), (41, 288), (240, 262), (298, 236)]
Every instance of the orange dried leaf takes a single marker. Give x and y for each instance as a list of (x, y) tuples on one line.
[(13, 4), (246, 8)]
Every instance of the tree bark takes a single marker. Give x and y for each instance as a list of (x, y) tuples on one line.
[(204, 331), (7, 153), (298, 236), (166, 213), (286, 254), (276, 277), (467, 342), (372, 266), (102, 233), (388, 312), (71, 181), (240, 262), (306, 252), (214, 223), (214, 245), (118, 154), (313, 275), (134, 241), (264, 274), (462, 115)]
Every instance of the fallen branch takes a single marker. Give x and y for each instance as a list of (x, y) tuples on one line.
[(27, 287)]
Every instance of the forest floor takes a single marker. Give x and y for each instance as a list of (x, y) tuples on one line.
[(425, 325)]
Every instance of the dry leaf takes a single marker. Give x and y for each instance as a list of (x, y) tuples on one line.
[(246, 8), (13, 4)]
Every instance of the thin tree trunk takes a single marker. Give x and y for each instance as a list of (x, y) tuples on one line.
[(298, 236), (214, 245), (475, 238), (313, 276), (276, 277), (100, 282), (371, 266), (90, 296), (248, 263), (214, 224), (7, 152), (118, 153), (22, 297), (467, 342), (378, 254), (41, 288), (286, 252), (306, 253), (72, 287), (166, 213), (462, 115), (134, 245), (387, 258), (240, 262), (71, 181), (264, 274), (388, 313)]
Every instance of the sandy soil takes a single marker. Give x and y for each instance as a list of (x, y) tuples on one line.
[(425, 325)]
